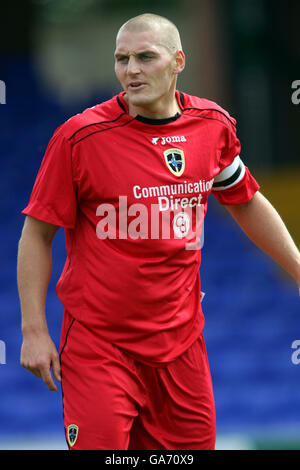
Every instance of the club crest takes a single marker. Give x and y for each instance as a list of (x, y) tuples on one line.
[(72, 434), (175, 161)]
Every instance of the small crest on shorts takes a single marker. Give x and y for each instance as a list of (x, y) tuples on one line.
[(175, 161), (72, 434)]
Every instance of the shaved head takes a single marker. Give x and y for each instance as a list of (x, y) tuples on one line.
[(167, 33), (148, 59)]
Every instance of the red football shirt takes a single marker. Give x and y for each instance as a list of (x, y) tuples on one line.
[(131, 194)]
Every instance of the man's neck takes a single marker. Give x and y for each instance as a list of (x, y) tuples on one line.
[(161, 110)]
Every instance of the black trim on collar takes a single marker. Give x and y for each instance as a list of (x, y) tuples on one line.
[(181, 99), (158, 122), (121, 104)]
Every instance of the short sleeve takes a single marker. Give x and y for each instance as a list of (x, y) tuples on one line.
[(53, 198), (234, 184)]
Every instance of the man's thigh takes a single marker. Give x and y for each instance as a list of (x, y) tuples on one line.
[(179, 412), (100, 390)]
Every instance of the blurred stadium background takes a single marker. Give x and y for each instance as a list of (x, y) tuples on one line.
[(56, 59)]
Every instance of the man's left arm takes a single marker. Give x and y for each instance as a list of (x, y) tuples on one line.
[(263, 225)]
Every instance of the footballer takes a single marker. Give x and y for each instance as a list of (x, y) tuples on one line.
[(132, 360)]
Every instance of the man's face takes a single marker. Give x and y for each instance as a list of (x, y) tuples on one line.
[(145, 68)]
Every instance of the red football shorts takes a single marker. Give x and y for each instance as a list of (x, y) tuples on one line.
[(113, 402)]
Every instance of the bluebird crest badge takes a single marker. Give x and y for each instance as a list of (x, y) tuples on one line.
[(175, 161), (72, 434)]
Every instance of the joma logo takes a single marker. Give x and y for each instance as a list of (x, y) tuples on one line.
[(168, 140)]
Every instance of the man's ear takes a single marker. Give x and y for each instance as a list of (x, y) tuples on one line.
[(179, 62)]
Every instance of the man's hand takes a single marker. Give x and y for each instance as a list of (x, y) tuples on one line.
[(39, 355)]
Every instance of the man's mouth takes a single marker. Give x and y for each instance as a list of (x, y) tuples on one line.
[(136, 85)]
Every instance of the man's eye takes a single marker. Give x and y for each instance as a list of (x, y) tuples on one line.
[(122, 59)]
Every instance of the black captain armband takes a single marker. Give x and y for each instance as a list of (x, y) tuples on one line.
[(230, 176)]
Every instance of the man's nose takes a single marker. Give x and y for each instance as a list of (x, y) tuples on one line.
[(133, 66)]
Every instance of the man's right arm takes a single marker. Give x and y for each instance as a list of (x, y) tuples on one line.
[(38, 353)]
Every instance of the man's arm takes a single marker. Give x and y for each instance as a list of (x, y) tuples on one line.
[(263, 225), (38, 353)]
